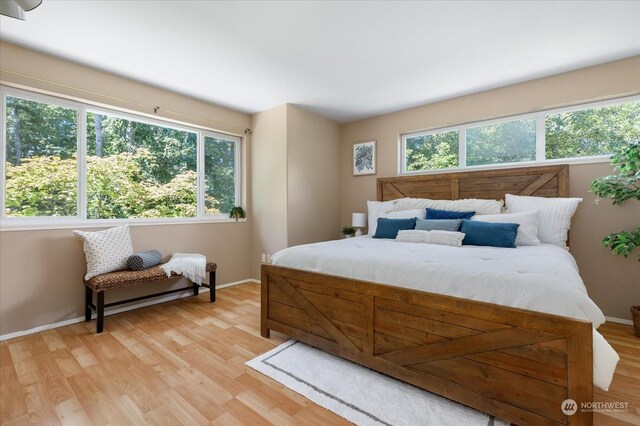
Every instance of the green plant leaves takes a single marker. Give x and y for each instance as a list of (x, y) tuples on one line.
[(621, 187), (623, 243)]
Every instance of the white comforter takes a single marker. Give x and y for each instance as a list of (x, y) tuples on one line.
[(541, 278)]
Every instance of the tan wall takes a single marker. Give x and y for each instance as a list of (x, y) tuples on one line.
[(269, 183), (313, 149), (295, 172), (41, 271), (24, 67), (612, 282)]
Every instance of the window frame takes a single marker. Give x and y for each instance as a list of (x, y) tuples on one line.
[(403, 148), (539, 117), (238, 176), (80, 219)]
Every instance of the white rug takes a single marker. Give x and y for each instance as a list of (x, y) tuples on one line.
[(359, 394)]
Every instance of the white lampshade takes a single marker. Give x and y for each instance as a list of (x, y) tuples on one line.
[(16, 8), (359, 220)]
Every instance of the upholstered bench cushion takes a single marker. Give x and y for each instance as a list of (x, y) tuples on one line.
[(120, 279)]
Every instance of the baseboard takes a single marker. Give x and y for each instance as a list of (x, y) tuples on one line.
[(111, 311), (619, 320)]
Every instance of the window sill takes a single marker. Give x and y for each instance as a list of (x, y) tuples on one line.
[(40, 224), (570, 161)]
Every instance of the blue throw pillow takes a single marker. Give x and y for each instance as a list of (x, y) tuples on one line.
[(438, 225), (489, 234), (447, 214), (388, 228)]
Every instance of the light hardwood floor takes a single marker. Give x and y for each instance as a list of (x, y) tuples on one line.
[(182, 362)]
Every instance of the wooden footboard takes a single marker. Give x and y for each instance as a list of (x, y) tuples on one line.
[(516, 364)]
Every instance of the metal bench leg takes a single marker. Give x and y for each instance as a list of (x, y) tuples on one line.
[(88, 299), (212, 286), (100, 321)]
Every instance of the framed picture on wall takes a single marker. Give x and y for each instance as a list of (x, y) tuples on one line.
[(364, 158)]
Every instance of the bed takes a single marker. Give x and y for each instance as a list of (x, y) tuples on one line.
[(448, 329)]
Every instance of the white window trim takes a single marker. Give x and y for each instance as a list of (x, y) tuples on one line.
[(539, 117), (80, 220), (237, 160)]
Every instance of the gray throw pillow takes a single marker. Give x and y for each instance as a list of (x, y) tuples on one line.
[(438, 225), (144, 260)]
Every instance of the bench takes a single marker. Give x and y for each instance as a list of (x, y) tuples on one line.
[(123, 279)]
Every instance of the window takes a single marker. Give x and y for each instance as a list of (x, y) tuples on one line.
[(568, 133), (138, 170), (589, 132), (220, 158), (62, 161), (510, 142), (41, 167), (432, 151)]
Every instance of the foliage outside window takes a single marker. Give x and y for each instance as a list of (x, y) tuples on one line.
[(219, 175), (41, 171), (511, 142), (139, 170), (594, 131), (131, 168), (433, 151), (570, 133)]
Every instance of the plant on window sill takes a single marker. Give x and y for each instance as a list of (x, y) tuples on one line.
[(621, 187), (237, 212)]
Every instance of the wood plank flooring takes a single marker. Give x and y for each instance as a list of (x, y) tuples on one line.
[(182, 362)]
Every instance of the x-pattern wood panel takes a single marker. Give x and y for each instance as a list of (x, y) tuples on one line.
[(516, 364), (476, 344), (314, 313), (537, 181)]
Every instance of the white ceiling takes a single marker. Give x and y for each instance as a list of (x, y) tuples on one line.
[(342, 60)]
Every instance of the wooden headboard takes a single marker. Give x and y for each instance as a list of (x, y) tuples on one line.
[(541, 181)]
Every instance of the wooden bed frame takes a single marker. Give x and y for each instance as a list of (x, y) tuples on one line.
[(516, 364)]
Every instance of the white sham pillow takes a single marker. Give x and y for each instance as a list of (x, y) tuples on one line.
[(106, 251), (554, 218), (477, 205), (527, 231), (445, 238), (405, 214), (375, 209)]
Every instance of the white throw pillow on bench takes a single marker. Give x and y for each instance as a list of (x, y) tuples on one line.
[(106, 251)]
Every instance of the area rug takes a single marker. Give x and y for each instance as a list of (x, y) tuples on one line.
[(361, 395)]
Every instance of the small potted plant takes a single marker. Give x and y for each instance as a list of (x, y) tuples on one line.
[(238, 213), (348, 231), (623, 186)]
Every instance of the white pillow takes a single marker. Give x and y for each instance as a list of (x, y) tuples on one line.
[(466, 205), (405, 214), (445, 238), (375, 209), (106, 251), (527, 231), (554, 219)]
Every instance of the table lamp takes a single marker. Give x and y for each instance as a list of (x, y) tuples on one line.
[(359, 220)]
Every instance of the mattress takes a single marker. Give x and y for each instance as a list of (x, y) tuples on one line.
[(540, 278)]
